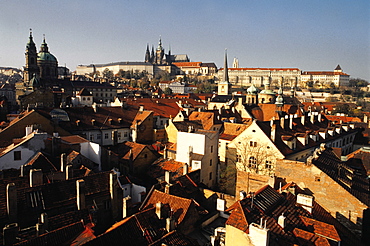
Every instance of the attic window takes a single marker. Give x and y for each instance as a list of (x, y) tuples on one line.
[(17, 155), (317, 178), (253, 130)]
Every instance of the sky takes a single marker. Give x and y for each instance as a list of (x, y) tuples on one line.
[(314, 35)]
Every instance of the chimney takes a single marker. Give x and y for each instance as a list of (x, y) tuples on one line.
[(273, 131), (282, 122), (93, 122), (78, 122), (69, 172), (10, 233), (319, 117), (29, 130), (242, 195), (25, 170), (62, 162), (44, 219), (282, 220), (185, 169), (167, 177), (312, 118), (36, 177), (158, 210), (119, 120), (258, 234), (80, 187), (141, 108), (291, 121), (165, 153), (303, 119), (40, 229), (125, 206), (113, 193), (95, 108), (170, 223), (110, 121), (167, 188), (11, 202)]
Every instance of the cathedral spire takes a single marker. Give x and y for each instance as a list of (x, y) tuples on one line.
[(147, 54), (226, 69)]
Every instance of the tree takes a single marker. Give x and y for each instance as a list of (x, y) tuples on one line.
[(168, 91), (108, 74)]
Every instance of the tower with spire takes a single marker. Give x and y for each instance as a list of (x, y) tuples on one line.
[(224, 87), (47, 64), (31, 67), (159, 53), (147, 54)]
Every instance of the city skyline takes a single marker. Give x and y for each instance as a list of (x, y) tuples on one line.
[(310, 36)]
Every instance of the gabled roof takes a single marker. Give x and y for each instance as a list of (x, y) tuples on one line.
[(159, 167), (178, 205), (17, 143), (232, 130), (124, 150), (40, 161), (183, 126)]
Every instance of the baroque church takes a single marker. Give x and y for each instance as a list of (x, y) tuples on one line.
[(42, 67)]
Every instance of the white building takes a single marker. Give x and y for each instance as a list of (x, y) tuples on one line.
[(326, 78), (200, 150)]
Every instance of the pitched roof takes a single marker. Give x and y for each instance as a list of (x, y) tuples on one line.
[(178, 205), (124, 150), (84, 92), (267, 205)]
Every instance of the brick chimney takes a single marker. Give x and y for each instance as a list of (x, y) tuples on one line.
[(185, 169), (11, 202), (80, 187), (158, 210), (44, 219), (282, 220)]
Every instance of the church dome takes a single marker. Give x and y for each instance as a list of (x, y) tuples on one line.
[(46, 56), (252, 90)]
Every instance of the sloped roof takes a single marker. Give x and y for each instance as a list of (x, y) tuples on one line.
[(267, 205), (159, 168), (84, 92), (40, 161), (124, 150), (139, 229), (178, 205)]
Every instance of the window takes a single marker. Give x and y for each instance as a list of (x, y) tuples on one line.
[(268, 164), (119, 135), (98, 136), (211, 148), (317, 179), (238, 158), (91, 137), (125, 134), (210, 162), (145, 156), (106, 135), (252, 162), (17, 155), (253, 144), (210, 176)]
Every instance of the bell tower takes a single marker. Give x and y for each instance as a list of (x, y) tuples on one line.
[(31, 60)]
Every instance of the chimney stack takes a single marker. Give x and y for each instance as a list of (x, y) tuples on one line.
[(158, 210), (44, 219), (11, 202), (167, 188), (113, 193), (62, 162), (185, 169), (80, 187), (282, 221), (69, 172), (167, 177), (125, 206), (40, 229), (258, 234), (36, 177), (170, 223)]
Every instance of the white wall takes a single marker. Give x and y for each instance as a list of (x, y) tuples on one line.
[(184, 140), (92, 151)]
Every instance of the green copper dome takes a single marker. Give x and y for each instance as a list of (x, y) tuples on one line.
[(46, 56)]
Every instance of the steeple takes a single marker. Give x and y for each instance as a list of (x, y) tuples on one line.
[(31, 45), (280, 100), (44, 46), (147, 54), (160, 44), (226, 72)]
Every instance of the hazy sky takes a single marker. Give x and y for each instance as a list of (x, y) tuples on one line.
[(309, 35)]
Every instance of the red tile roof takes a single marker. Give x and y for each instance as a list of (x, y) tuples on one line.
[(178, 205), (321, 228)]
